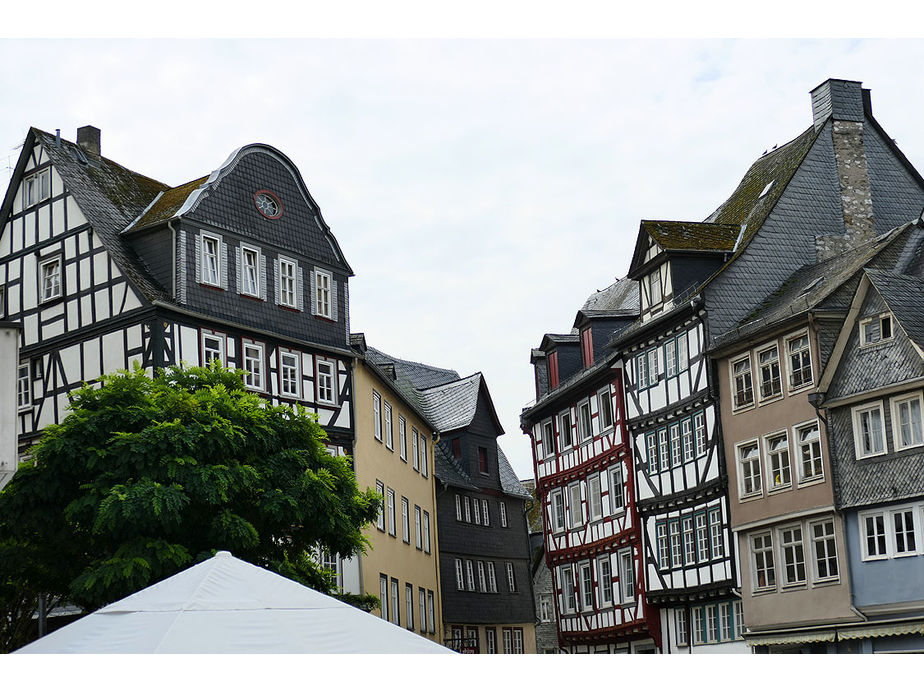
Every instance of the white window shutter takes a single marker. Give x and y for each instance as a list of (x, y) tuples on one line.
[(300, 289), (262, 276), (223, 266), (198, 258), (278, 285), (240, 271), (333, 299), (314, 293)]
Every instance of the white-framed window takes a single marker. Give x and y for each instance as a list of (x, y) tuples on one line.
[(680, 626), (712, 623), (253, 366), (664, 556), (748, 469), (605, 407), (575, 511), (395, 603), (617, 494), (470, 574), (875, 329), (699, 433), (743, 383), (24, 385), (762, 565), (717, 533), (50, 279), (605, 580), (585, 421), (725, 622), (460, 576), (210, 254), (548, 439), (409, 605), (907, 422), (402, 437), (676, 540), (503, 512), (213, 347), (655, 294), (426, 529), (891, 533), (653, 371), (418, 528), (383, 595), (36, 187), (288, 291), (431, 612), (808, 441), (482, 578), (868, 430), (686, 436), (689, 540), (702, 537), (873, 526), (405, 520), (558, 511), (799, 359), (824, 550), (651, 441), (415, 450), (587, 586), (458, 508), (492, 578), (467, 502), (793, 555), (380, 520), (682, 356), (377, 415), (325, 371), (511, 578), (626, 576), (290, 374), (699, 625), (664, 449), (568, 591), (564, 430), (768, 361), (641, 370), (389, 433), (903, 533), (322, 286), (517, 641), (676, 449), (486, 519), (391, 512), (422, 605), (477, 510), (594, 497), (670, 358), (424, 460), (250, 267), (776, 449), (545, 608)]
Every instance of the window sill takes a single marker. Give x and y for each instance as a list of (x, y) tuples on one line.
[(801, 388), (750, 497), (811, 481), (795, 587), (779, 489), (759, 591), (743, 408), (770, 400)]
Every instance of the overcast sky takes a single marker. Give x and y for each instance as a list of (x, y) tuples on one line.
[(480, 189)]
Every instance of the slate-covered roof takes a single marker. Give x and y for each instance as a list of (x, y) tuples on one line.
[(508, 478), (420, 374), (905, 297), (692, 235), (452, 405), (753, 200), (111, 197), (621, 295), (807, 288)]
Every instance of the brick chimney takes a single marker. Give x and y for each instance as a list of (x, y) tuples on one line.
[(847, 103), (88, 138)]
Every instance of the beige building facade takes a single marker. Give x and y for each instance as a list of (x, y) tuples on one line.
[(393, 454), (790, 539)]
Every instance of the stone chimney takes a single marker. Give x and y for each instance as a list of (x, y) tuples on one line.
[(88, 138), (846, 103)]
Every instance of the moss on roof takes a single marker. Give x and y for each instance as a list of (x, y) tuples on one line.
[(691, 235), (169, 203)]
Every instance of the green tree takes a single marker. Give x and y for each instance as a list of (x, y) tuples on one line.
[(146, 477)]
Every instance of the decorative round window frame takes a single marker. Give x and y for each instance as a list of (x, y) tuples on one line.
[(272, 196)]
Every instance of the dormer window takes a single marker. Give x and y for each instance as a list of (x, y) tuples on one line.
[(876, 329), (37, 187), (587, 347), (553, 370), (654, 286)]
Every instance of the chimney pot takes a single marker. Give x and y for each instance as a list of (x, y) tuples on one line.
[(88, 137)]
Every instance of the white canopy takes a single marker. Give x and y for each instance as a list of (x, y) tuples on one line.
[(225, 606)]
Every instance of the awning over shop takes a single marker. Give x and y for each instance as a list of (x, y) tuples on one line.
[(792, 638), (880, 631)]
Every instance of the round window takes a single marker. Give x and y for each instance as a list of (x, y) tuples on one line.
[(268, 204)]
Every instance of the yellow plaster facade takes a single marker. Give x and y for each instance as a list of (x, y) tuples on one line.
[(394, 454)]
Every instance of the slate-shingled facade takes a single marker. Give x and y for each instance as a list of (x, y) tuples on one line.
[(484, 561)]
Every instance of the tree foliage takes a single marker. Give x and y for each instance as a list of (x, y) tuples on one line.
[(147, 476)]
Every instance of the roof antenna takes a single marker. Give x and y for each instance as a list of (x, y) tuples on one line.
[(58, 136)]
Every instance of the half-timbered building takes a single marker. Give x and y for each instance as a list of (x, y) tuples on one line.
[(585, 482), (484, 557), (104, 268)]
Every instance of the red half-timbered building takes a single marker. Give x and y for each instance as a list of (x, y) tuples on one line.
[(584, 481)]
